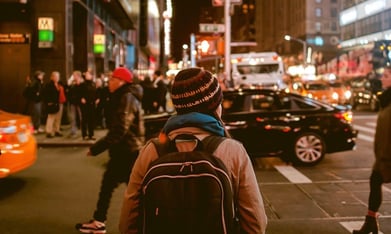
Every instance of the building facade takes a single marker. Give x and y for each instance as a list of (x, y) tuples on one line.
[(313, 21), (68, 35), (365, 38)]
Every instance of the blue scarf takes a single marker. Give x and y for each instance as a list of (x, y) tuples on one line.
[(194, 119)]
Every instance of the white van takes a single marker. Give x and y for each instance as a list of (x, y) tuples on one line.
[(264, 69)]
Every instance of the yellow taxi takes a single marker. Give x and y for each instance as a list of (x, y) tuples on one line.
[(342, 92), (18, 146), (321, 91)]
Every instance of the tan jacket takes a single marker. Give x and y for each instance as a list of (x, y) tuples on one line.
[(250, 204)]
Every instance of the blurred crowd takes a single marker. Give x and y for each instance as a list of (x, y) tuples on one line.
[(82, 101)]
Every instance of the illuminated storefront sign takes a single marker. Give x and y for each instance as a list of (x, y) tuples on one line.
[(14, 38), (99, 43), (45, 32), (363, 10)]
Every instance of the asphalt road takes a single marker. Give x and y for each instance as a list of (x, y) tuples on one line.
[(61, 189)]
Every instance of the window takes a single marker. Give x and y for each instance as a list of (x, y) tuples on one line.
[(333, 26), (318, 12), (263, 102), (334, 12), (318, 26)]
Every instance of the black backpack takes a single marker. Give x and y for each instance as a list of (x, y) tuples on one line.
[(188, 192)]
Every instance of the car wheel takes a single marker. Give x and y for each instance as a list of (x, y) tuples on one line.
[(309, 149)]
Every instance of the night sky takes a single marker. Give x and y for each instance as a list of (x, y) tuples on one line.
[(185, 21)]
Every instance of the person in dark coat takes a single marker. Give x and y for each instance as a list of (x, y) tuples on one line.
[(149, 95), (161, 91), (88, 101), (74, 99), (124, 139), (103, 95), (381, 171), (33, 94), (51, 98)]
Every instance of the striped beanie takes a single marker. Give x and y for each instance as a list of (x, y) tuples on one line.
[(195, 90)]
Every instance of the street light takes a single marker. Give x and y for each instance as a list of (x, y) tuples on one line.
[(288, 38)]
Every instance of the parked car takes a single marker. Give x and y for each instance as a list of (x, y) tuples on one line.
[(18, 147), (276, 123), (365, 92)]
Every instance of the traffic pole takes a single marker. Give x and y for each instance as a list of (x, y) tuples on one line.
[(227, 39)]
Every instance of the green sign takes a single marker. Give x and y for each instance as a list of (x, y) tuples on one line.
[(99, 49), (45, 35)]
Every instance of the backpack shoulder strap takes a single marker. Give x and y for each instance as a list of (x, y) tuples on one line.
[(161, 148), (211, 142)]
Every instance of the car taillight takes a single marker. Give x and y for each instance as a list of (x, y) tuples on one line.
[(346, 116)]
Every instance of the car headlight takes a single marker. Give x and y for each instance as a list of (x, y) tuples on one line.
[(348, 94), (335, 96), (309, 95)]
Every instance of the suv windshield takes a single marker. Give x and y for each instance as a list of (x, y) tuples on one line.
[(259, 68)]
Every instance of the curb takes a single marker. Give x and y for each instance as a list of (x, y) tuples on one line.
[(64, 144)]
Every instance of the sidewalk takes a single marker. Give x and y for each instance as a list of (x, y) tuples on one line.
[(66, 140)]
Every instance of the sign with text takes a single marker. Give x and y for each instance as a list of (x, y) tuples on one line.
[(212, 28), (14, 38), (45, 32), (218, 3)]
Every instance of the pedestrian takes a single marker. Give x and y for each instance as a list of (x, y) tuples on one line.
[(74, 99), (197, 98), (61, 100), (381, 170), (161, 91), (88, 101), (33, 95), (149, 93), (51, 97), (103, 94), (124, 138)]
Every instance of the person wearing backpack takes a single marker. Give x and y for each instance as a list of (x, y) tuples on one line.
[(197, 97)]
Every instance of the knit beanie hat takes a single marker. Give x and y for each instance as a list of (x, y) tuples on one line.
[(195, 90), (123, 73)]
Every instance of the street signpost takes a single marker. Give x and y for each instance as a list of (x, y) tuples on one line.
[(212, 28), (219, 3)]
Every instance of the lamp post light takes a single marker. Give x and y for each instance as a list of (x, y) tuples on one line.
[(288, 38)]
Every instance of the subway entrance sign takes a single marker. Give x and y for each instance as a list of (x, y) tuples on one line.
[(45, 32)]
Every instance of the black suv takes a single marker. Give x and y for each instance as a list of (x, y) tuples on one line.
[(365, 92)]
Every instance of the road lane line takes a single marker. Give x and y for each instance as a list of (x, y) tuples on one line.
[(386, 189), (365, 137), (353, 225), (293, 175), (364, 116), (364, 129)]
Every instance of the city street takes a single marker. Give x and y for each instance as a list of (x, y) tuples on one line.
[(61, 189)]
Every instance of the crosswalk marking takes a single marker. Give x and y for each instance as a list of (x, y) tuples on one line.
[(364, 129), (353, 225), (293, 175), (365, 137), (365, 116), (372, 124)]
